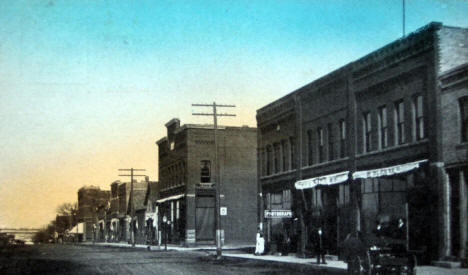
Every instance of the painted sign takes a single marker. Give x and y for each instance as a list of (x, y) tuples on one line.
[(387, 171), (278, 214), (323, 180), (223, 211)]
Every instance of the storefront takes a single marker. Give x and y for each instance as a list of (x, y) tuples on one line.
[(280, 230), (151, 224), (173, 208), (398, 194), (322, 196)]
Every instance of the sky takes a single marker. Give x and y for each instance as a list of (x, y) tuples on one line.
[(87, 86)]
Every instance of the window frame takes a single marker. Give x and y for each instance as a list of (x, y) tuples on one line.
[(320, 145), (367, 132), (383, 127), (400, 137)]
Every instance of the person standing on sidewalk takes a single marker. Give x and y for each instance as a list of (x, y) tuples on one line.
[(318, 239)]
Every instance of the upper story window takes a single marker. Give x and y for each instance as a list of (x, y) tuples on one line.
[(464, 118), (367, 131), (418, 117), (276, 158), (268, 160), (399, 122), (383, 129), (293, 153), (205, 171), (331, 140), (342, 124), (310, 148), (284, 155), (320, 144), (263, 159)]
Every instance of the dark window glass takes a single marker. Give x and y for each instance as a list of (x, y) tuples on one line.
[(293, 153), (464, 118), (268, 162), (320, 144), (400, 122), (383, 129), (331, 142), (310, 152), (418, 115), (367, 126), (276, 158), (205, 171), (342, 138), (284, 148)]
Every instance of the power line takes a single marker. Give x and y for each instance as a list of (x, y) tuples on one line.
[(132, 208)]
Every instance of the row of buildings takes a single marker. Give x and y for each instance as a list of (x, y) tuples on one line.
[(185, 195), (383, 137)]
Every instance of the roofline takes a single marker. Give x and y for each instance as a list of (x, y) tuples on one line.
[(428, 27)]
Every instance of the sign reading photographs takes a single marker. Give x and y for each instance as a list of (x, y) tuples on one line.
[(278, 214)]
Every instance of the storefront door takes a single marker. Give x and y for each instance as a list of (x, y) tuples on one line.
[(205, 218)]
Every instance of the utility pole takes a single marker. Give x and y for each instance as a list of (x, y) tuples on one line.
[(132, 208), (218, 177)]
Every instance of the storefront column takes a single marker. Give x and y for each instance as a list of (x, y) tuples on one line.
[(463, 214), (444, 210), (190, 234)]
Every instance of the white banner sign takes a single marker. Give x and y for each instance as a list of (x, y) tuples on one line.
[(323, 180), (387, 171), (278, 214)]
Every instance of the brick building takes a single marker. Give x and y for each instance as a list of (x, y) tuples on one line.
[(382, 137), (119, 208), (89, 198), (187, 190)]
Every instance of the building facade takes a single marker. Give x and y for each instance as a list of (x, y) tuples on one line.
[(89, 198), (187, 183), (379, 139)]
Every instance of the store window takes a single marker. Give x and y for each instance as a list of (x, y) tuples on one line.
[(383, 129), (320, 144), (464, 118), (205, 171), (399, 122), (344, 196), (367, 131)]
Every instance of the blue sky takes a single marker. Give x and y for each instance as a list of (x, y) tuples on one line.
[(87, 86)]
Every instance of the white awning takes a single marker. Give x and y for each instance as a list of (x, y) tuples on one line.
[(388, 171), (171, 198), (323, 180), (78, 228)]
